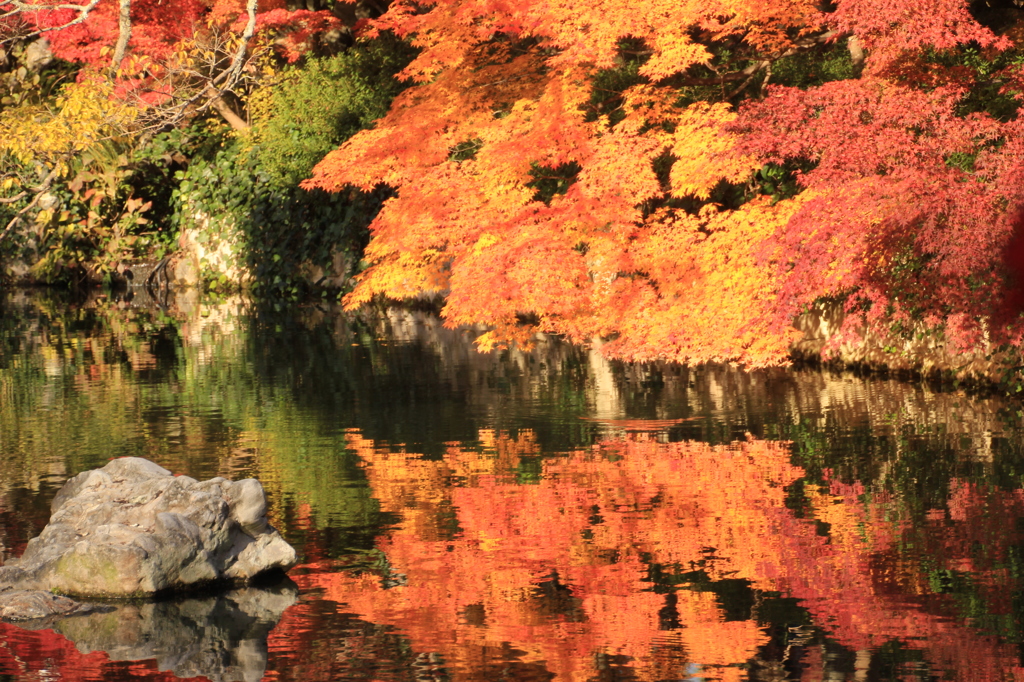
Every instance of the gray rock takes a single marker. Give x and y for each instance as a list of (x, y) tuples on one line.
[(132, 529), (37, 55)]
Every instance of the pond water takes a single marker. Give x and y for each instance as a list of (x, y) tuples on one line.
[(540, 515)]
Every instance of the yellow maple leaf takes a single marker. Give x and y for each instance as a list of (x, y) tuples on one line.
[(703, 148)]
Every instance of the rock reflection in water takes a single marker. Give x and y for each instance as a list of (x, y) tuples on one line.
[(220, 637)]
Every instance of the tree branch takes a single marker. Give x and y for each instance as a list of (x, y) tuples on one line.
[(230, 75), (753, 69), (218, 103), (124, 33), (16, 198), (19, 7), (747, 75), (856, 53), (39, 190)]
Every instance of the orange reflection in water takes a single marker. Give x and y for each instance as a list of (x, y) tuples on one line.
[(44, 655), (556, 566)]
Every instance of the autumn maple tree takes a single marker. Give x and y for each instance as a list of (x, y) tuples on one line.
[(683, 178)]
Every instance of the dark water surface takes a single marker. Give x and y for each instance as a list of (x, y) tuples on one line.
[(520, 515)]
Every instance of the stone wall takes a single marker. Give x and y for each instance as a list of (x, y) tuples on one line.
[(922, 351)]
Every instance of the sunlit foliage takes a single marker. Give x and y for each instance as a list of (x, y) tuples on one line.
[(890, 185)]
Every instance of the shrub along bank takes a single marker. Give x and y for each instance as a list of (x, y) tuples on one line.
[(224, 202)]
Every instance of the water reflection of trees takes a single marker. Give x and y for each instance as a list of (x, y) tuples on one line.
[(221, 388), (665, 557), (305, 399)]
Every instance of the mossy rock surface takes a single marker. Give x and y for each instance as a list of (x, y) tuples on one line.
[(131, 529)]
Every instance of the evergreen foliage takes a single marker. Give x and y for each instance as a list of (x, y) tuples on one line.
[(319, 105), (285, 235)]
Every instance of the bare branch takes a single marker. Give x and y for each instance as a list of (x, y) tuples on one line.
[(195, 90), (16, 198), (43, 186), (19, 7), (746, 75), (231, 74), (753, 69), (188, 89), (767, 77), (224, 109)]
